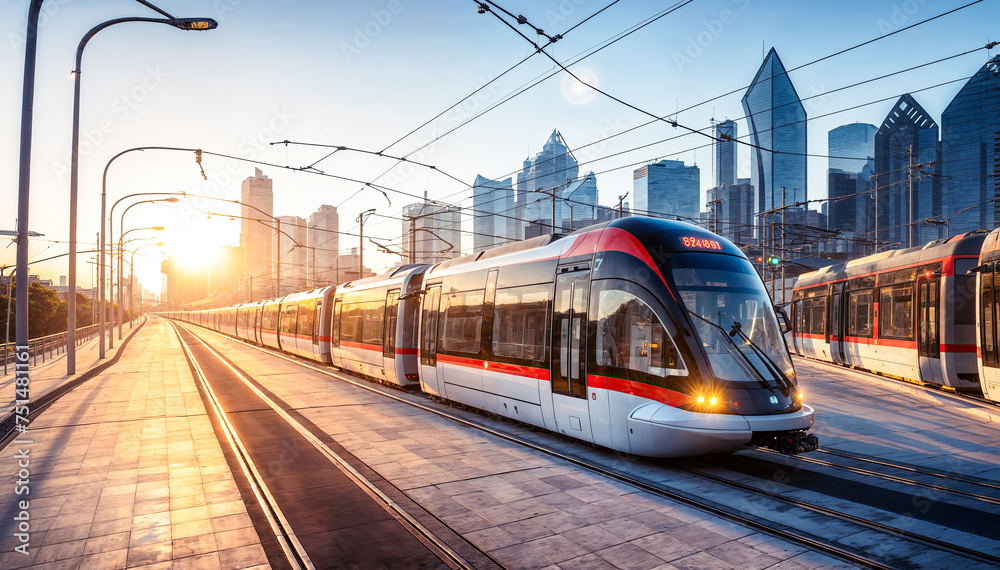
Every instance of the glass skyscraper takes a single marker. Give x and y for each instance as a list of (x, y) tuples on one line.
[(724, 154), (848, 186), (731, 211), (551, 168), (777, 122), (493, 211), (970, 137), (667, 189), (907, 127)]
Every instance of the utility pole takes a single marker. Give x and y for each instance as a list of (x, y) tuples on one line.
[(277, 271), (361, 249), (621, 201), (715, 213), (876, 243), (782, 245), (909, 201), (413, 239)]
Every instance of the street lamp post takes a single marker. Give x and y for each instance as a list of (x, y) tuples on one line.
[(104, 201), (179, 23), (121, 273), (111, 221), (131, 279)]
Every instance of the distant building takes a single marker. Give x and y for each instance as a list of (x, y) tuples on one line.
[(724, 154), (970, 153), (553, 167), (431, 232), (349, 267), (494, 219), (323, 251), (907, 127), (257, 229), (777, 122), (667, 189), (731, 210), (289, 250), (225, 274), (849, 187)]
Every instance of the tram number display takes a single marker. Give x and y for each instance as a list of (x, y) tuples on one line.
[(701, 243)]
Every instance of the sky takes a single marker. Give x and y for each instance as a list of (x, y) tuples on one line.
[(365, 73)]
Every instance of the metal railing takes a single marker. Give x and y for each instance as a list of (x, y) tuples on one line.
[(47, 346)]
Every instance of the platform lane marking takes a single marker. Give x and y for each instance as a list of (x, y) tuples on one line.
[(448, 555), (290, 545)]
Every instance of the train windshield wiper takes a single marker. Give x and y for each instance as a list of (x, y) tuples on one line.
[(760, 377), (771, 365)]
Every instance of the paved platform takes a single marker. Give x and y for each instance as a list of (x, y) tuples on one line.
[(125, 471)]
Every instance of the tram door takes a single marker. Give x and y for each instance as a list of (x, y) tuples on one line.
[(928, 327), (569, 349), (836, 334), (389, 337)]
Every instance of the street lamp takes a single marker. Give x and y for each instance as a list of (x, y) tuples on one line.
[(131, 279), (111, 221), (179, 23), (121, 260)]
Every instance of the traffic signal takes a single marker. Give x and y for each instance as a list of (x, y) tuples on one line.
[(774, 260), (760, 259)]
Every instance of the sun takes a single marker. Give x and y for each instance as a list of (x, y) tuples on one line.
[(576, 92), (195, 246)]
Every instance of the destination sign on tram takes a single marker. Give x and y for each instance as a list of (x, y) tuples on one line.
[(701, 243)]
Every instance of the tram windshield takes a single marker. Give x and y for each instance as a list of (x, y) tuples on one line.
[(734, 318)]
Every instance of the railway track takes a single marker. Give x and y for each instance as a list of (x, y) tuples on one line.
[(884, 542), (230, 393)]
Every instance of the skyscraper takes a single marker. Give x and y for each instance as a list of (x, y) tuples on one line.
[(256, 229), (551, 168), (324, 246), (494, 218), (288, 249), (970, 126), (907, 128), (848, 186), (724, 154), (667, 189), (431, 232), (777, 122)]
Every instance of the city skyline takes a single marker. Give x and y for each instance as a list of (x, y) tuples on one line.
[(240, 94)]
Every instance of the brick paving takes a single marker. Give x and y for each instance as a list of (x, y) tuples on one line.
[(126, 472)]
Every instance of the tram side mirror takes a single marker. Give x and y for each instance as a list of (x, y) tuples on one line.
[(784, 323)]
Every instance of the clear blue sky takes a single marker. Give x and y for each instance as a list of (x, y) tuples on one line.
[(364, 73)]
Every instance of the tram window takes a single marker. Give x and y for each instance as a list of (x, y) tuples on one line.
[(374, 318), (896, 312), (630, 336), (964, 299), (860, 310), (814, 316), (519, 315), (461, 325), (288, 319), (391, 310), (987, 329), (270, 320), (306, 311)]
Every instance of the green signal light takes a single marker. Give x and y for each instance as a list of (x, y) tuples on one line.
[(773, 260)]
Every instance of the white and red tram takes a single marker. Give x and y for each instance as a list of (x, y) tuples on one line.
[(907, 313), (647, 336)]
